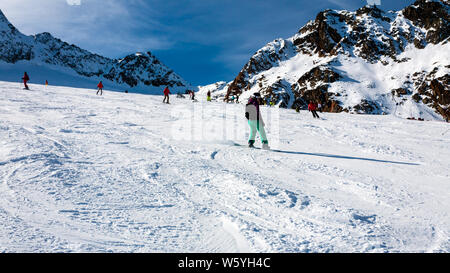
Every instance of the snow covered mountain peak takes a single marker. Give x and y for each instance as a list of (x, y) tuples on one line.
[(140, 72), (366, 61), (146, 69)]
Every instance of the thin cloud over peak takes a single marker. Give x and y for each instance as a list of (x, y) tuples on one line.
[(74, 2)]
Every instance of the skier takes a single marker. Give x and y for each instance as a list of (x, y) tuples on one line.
[(255, 121), (312, 107), (46, 82), (166, 95), (319, 107), (208, 96), (237, 98), (192, 95), (25, 80), (100, 88)]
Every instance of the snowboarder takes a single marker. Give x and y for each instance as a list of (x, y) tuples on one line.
[(100, 88), (208, 96), (312, 107), (255, 121), (166, 95), (25, 80)]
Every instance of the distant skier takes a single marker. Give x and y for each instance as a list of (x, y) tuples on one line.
[(166, 95), (255, 121), (319, 107), (208, 96), (312, 107), (25, 80), (237, 98), (46, 83), (192, 93), (100, 88)]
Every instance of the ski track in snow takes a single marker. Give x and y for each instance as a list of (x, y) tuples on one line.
[(83, 173)]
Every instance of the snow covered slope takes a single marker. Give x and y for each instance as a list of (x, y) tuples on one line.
[(63, 64), (367, 61), (126, 173), (218, 90)]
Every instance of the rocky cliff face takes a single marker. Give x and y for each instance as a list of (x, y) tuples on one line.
[(367, 61), (131, 71)]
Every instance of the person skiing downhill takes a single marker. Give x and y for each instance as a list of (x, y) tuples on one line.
[(208, 96), (166, 95), (100, 88), (255, 121), (25, 80), (312, 107)]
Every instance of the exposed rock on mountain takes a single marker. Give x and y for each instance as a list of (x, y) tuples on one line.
[(133, 71), (367, 61)]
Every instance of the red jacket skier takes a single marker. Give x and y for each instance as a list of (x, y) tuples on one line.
[(166, 94), (312, 107), (25, 80), (100, 88)]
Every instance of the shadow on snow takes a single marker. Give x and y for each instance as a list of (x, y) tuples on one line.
[(345, 157)]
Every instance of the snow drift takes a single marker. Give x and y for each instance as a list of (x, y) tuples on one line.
[(83, 173)]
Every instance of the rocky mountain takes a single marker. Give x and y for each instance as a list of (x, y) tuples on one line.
[(139, 71), (367, 61)]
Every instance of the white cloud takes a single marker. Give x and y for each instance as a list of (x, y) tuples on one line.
[(108, 28), (374, 2), (74, 2)]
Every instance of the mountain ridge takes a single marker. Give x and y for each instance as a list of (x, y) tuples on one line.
[(139, 71), (316, 63)]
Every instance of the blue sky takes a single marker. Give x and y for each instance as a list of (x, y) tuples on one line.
[(204, 41)]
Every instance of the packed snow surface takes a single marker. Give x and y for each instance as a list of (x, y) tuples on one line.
[(127, 173)]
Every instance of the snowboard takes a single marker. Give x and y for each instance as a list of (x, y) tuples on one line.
[(256, 148)]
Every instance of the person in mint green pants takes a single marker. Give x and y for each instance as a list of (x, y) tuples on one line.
[(255, 121)]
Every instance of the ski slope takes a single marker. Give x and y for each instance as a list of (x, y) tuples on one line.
[(127, 173)]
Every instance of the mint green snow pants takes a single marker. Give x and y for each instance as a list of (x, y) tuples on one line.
[(254, 126)]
